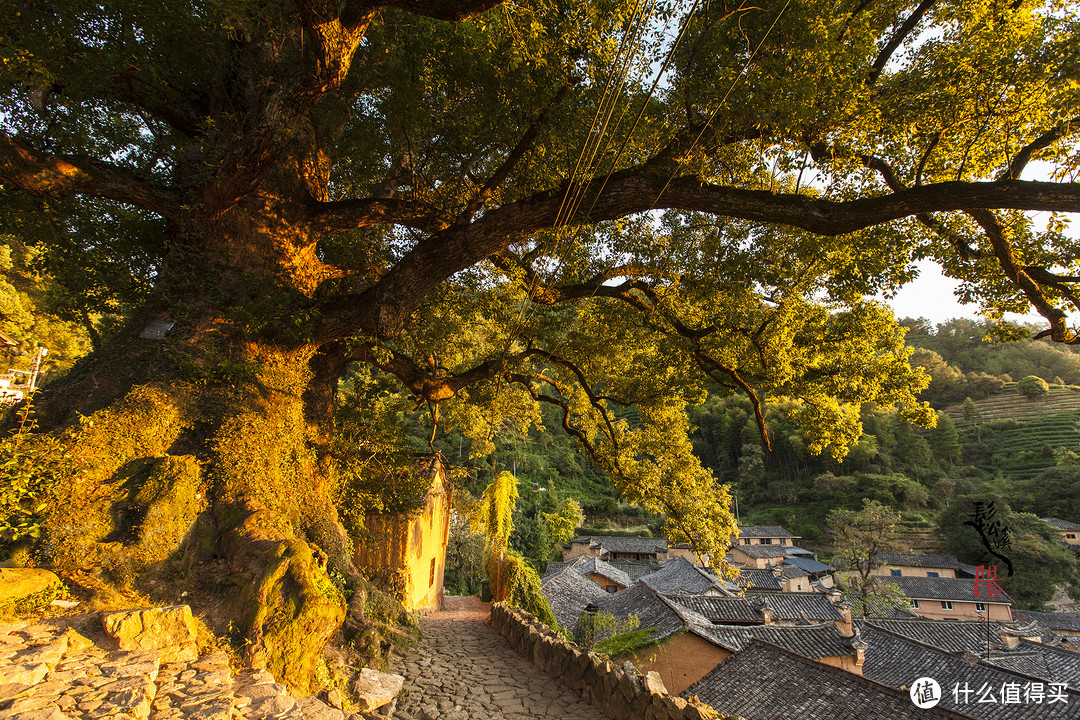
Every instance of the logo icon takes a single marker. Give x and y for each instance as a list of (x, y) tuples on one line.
[(925, 692)]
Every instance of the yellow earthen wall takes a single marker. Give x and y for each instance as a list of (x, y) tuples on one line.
[(397, 544), (961, 611), (680, 661)]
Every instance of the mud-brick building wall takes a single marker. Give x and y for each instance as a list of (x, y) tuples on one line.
[(411, 549)]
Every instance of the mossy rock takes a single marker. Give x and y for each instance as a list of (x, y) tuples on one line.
[(17, 584), (291, 608), (170, 500)]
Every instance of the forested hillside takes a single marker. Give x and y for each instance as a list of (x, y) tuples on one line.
[(991, 442)]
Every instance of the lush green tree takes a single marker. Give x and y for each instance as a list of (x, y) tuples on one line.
[(1040, 563), (498, 207), (945, 440), (1033, 387), (563, 523), (858, 536), (31, 312)]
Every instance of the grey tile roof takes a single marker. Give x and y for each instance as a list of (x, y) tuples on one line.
[(917, 560), (1062, 524), (758, 580), (679, 576), (568, 592), (897, 662), (920, 588), (1053, 664), (794, 606), (759, 551), (555, 566), (809, 564), (720, 609), (613, 543), (763, 531), (813, 641), (590, 565), (635, 569), (640, 600), (949, 635), (791, 570), (765, 682), (1054, 621)]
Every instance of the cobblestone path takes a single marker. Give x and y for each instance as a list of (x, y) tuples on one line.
[(49, 674), (465, 671)]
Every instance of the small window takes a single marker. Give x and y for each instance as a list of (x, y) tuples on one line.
[(980, 607), (931, 573), (611, 588), (1071, 536), (915, 604), (431, 581), (896, 573), (767, 541), (946, 604)]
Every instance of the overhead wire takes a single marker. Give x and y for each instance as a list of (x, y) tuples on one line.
[(575, 191), (584, 166)]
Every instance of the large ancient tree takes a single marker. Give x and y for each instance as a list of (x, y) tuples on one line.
[(497, 206)]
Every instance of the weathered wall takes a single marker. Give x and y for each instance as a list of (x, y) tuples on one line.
[(680, 661), (603, 581), (411, 551), (961, 610), (844, 662), (577, 550), (621, 692)]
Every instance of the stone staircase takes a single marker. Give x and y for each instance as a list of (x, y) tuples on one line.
[(48, 673)]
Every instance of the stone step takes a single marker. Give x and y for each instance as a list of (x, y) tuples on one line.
[(51, 674)]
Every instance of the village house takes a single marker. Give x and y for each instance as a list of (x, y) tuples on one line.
[(569, 593), (609, 547), (763, 580), (756, 557), (684, 644), (606, 575), (763, 535), (895, 661), (408, 552), (915, 565), (1065, 625), (765, 682), (776, 608), (1070, 531), (679, 576), (953, 599)]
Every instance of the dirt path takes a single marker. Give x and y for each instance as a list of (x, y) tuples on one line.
[(466, 670)]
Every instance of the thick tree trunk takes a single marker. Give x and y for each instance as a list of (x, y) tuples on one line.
[(211, 445)]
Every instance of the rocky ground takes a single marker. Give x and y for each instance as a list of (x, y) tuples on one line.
[(48, 673), (464, 669)]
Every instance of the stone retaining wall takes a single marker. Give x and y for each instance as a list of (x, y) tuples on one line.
[(619, 690)]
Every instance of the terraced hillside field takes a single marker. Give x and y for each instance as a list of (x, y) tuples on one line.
[(1025, 449), (1012, 405)]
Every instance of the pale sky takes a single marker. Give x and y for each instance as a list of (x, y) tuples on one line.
[(931, 296)]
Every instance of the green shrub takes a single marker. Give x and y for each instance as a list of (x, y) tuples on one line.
[(30, 467), (1033, 387)]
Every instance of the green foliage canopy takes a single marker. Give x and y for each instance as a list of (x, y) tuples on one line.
[(495, 205)]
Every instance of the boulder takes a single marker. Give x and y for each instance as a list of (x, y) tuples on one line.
[(375, 689), (20, 583), (654, 683), (169, 630)]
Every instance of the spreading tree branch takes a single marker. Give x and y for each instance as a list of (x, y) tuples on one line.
[(897, 39), (45, 175)]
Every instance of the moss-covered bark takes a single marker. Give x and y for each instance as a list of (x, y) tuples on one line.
[(223, 469)]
